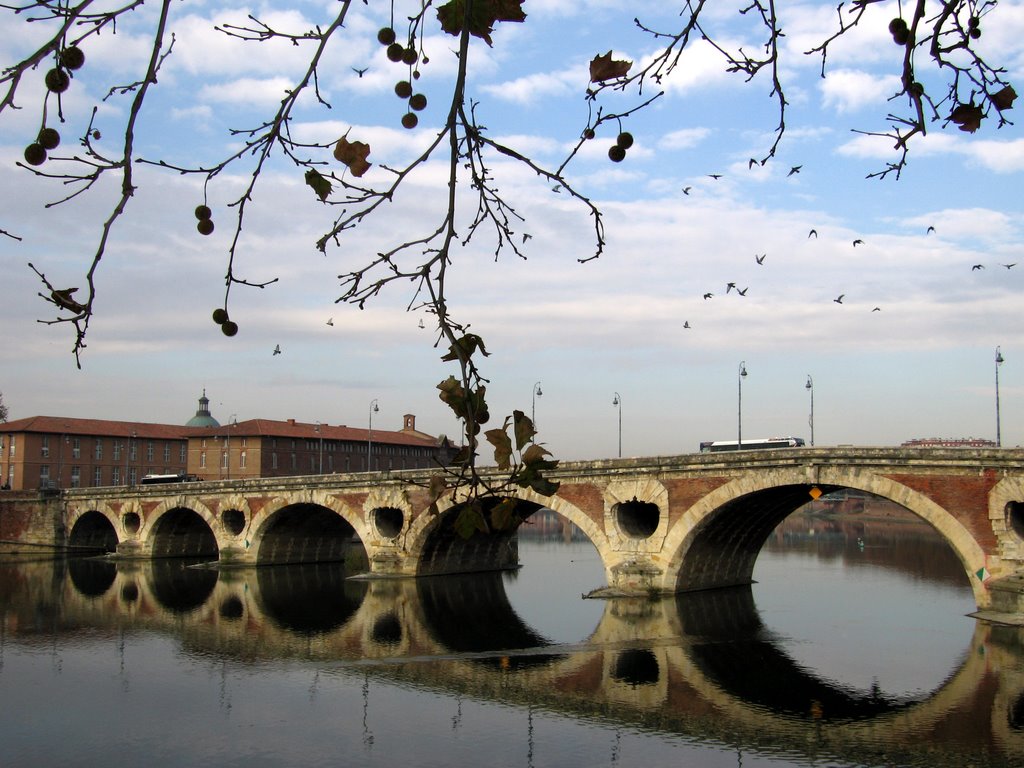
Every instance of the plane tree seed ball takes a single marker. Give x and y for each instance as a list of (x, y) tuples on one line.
[(418, 102), (229, 328), (49, 138), (589, 133), (616, 153), (409, 56), (409, 120), (205, 226), (203, 212), (72, 57), (624, 140), (403, 89), (220, 316), (896, 24), (35, 154), (57, 80), (386, 36), (395, 52)]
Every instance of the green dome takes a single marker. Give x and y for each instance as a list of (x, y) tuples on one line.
[(203, 418)]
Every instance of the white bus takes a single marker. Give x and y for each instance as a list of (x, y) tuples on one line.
[(715, 446)]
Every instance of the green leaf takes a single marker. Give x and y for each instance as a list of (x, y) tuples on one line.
[(470, 520), (502, 446), (504, 517), (320, 185), (523, 428)]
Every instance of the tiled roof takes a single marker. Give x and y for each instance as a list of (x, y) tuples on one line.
[(252, 428)]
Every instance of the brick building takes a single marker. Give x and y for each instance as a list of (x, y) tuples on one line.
[(64, 452)]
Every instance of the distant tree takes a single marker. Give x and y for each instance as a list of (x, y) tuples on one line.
[(3, 408), (939, 39)]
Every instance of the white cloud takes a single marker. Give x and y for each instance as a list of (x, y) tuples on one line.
[(848, 90)]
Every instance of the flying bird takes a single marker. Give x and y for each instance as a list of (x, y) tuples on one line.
[(557, 188), (812, 232), (359, 71), (715, 176), (330, 321), (277, 350), (929, 230), (686, 324), (686, 190), (794, 169), (839, 298), (1010, 266), (421, 323), (708, 296), (976, 267), (729, 286), (743, 291), (760, 259), (858, 242), (877, 309)]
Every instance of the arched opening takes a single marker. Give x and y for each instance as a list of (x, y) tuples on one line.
[(473, 539), (636, 667), (387, 630), (178, 588), (232, 608), (93, 531), (388, 521), (1014, 513), (131, 522), (233, 521), (182, 532), (309, 599), (637, 519), (309, 533)]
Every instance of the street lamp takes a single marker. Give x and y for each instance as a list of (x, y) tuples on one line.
[(617, 402), (999, 435), (809, 386), (533, 409), (739, 405), (369, 436)]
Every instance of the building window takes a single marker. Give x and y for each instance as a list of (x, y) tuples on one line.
[(223, 459), (243, 442), (99, 450), (44, 449), (76, 477), (273, 461), (97, 477), (167, 453), (117, 451), (76, 448), (133, 475), (202, 460), (183, 453), (115, 476), (295, 461), (133, 450), (14, 447), (241, 459), (149, 450), (44, 475)]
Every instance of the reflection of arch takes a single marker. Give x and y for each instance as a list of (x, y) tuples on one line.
[(716, 541), (178, 588), (93, 530), (309, 599), (92, 578)]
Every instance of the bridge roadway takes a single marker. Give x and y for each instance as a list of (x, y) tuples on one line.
[(661, 524), (700, 665)]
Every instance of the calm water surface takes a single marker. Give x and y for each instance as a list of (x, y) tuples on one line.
[(852, 649)]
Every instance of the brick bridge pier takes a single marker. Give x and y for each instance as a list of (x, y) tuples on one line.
[(660, 525)]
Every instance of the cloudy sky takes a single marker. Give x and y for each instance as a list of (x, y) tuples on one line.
[(633, 323)]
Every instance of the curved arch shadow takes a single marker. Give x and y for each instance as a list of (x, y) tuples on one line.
[(730, 645), (309, 599), (178, 588), (308, 533), (93, 531), (472, 614), (91, 578)]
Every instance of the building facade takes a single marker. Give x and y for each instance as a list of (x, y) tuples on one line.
[(63, 452)]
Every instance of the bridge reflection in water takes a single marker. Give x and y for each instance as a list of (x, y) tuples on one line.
[(701, 665)]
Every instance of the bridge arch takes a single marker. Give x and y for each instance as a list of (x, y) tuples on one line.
[(93, 529), (717, 540), (307, 528)]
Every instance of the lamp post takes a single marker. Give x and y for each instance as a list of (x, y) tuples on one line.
[(809, 386), (533, 409), (128, 455), (617, 402), (739, 405), (369, 436), (999, 435)]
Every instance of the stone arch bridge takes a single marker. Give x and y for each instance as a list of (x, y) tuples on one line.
[(660, 525)]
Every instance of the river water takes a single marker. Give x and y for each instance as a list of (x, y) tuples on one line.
[(853, 648)]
